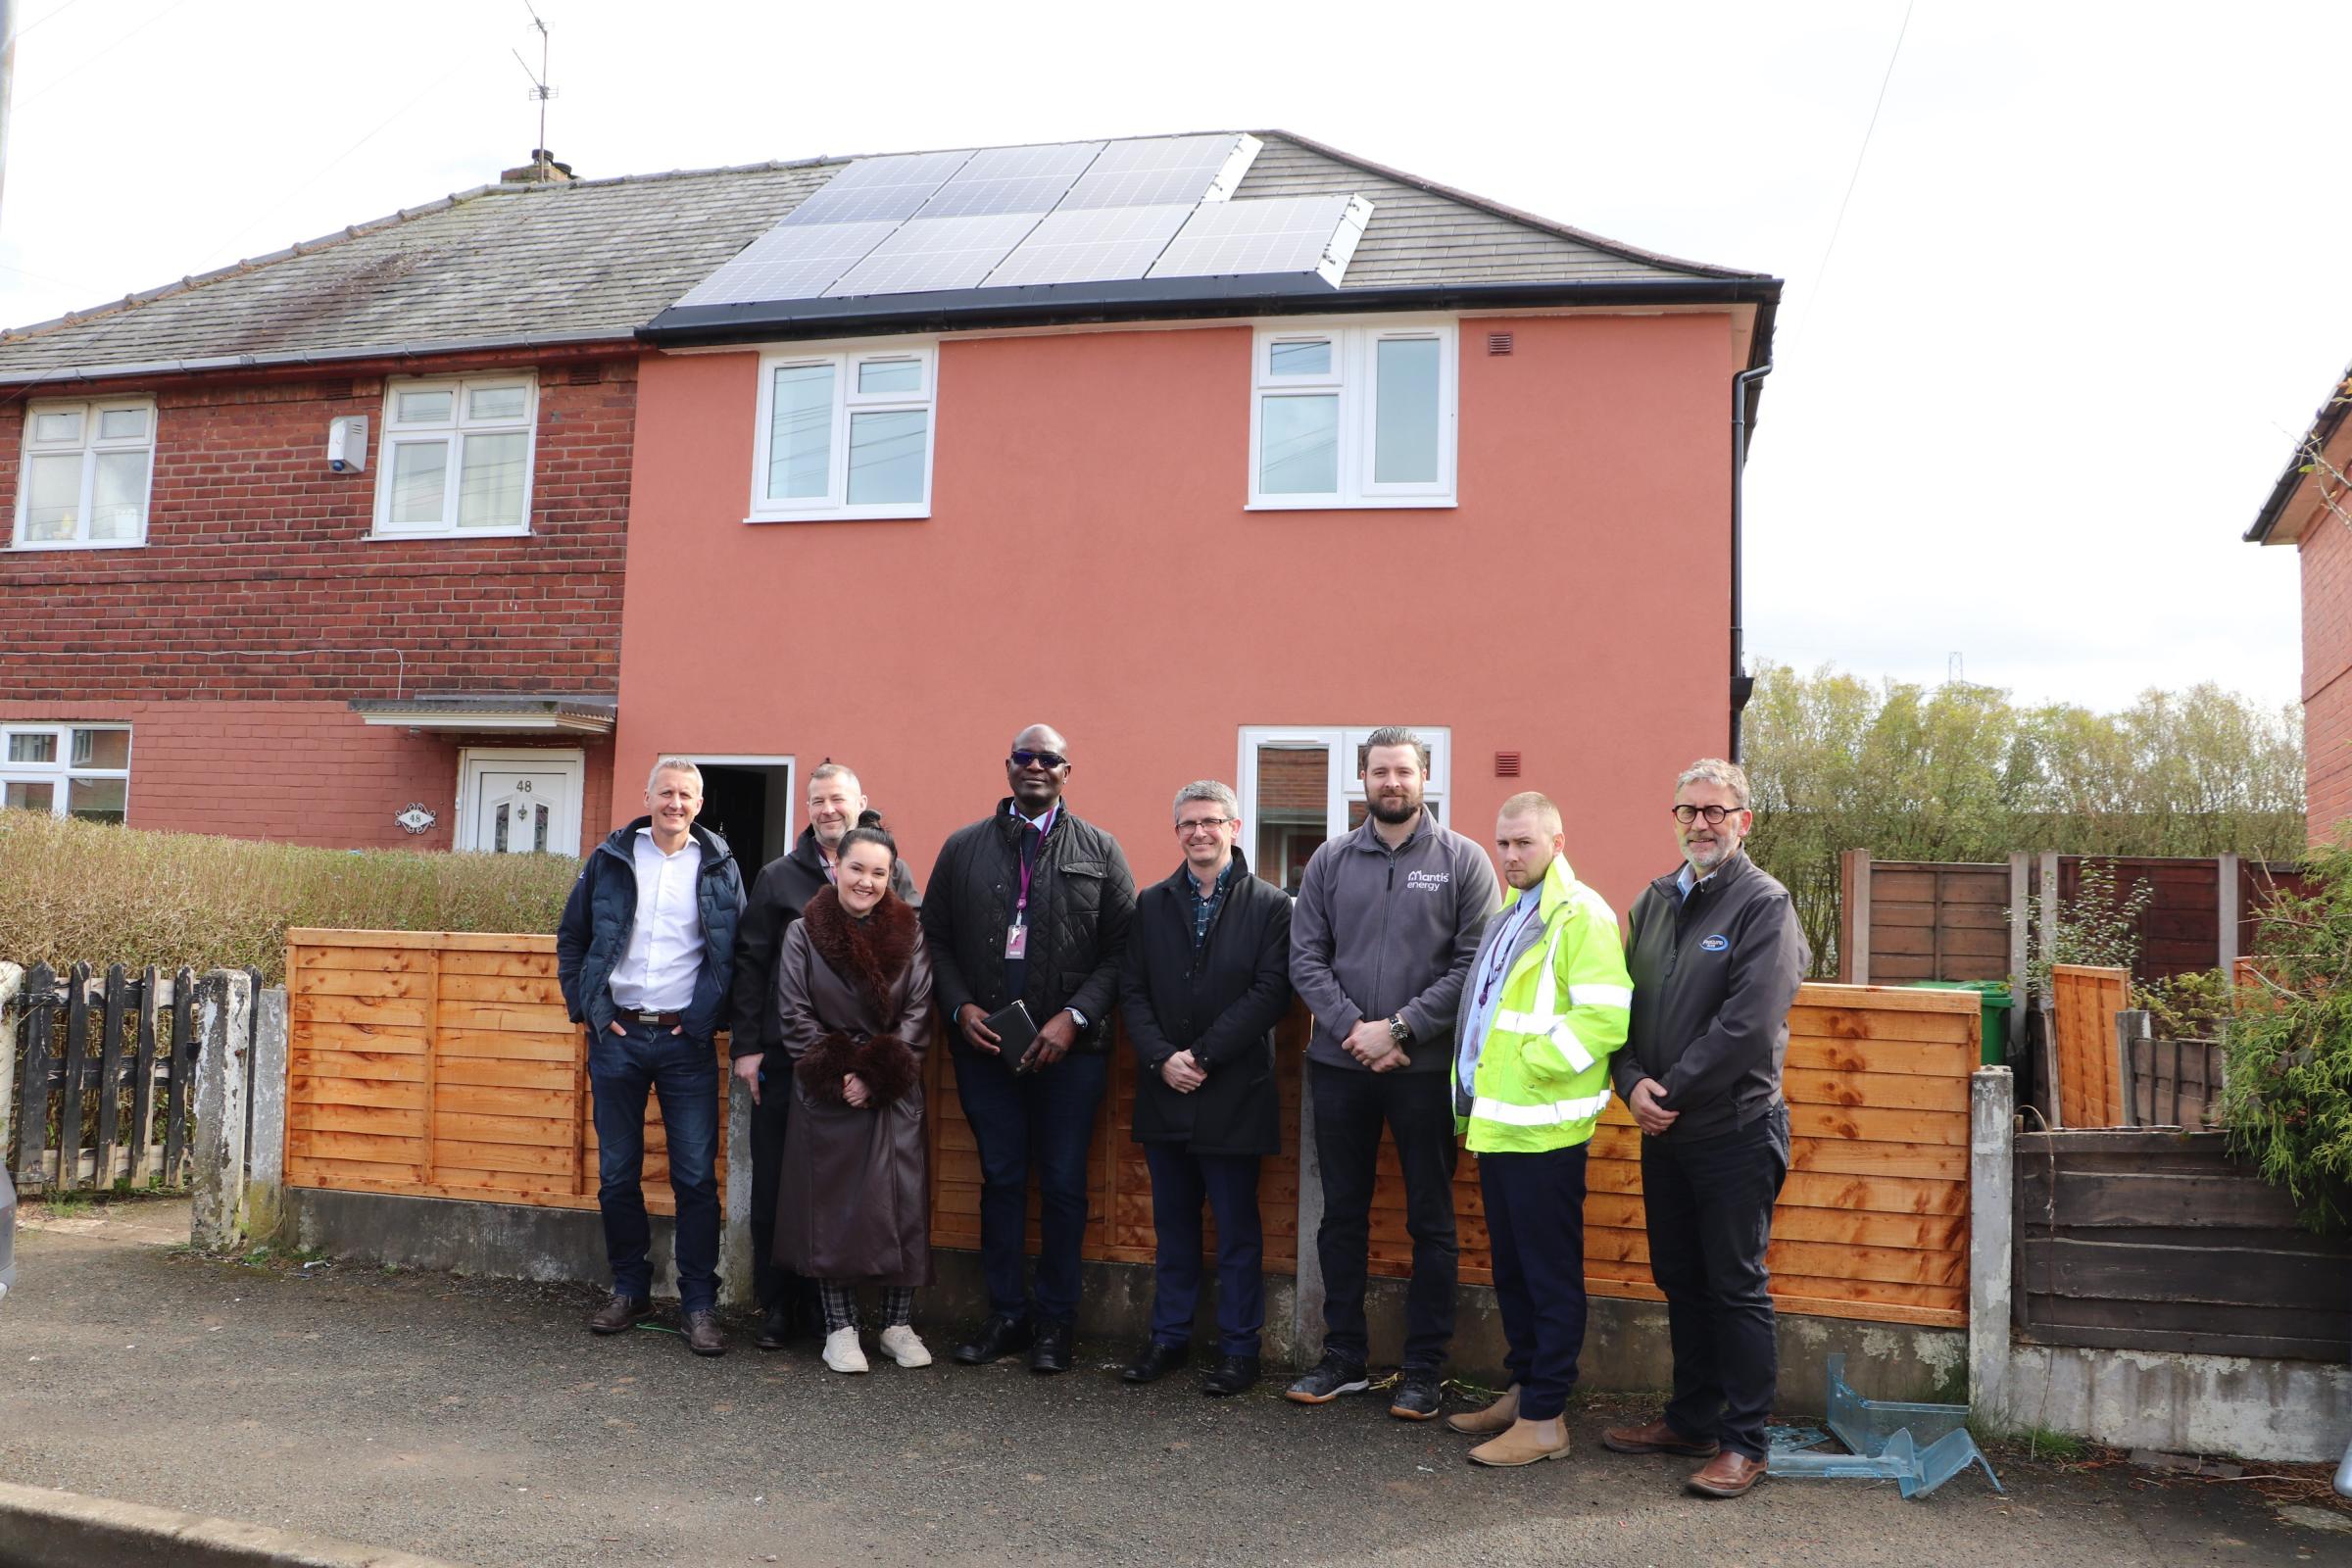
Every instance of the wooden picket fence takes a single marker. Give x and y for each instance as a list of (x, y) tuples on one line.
[(110, 1100)]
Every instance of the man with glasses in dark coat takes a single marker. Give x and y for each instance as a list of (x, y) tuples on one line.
[(1029, 904), (1205, 982)]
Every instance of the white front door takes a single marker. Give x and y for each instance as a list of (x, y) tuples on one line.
[(519, 802)]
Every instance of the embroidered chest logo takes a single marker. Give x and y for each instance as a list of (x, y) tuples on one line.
[(1714, 944), (1429, 880)]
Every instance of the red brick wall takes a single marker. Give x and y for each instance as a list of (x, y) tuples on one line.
[(2326, 551), (257, 558)]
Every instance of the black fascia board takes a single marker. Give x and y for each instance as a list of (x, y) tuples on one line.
[(2322, 430), (1159, 300)]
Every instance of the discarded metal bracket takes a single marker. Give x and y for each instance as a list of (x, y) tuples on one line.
[(1917, 1447)]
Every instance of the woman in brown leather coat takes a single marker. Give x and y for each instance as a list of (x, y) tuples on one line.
[(853, 990)]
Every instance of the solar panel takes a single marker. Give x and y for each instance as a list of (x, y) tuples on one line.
[(1161, 170), (1086, 247), (1279, 234), (936, 253), (873, 189), (790, 264), (1012, 180)]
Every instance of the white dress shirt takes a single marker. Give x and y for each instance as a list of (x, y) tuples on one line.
[(665, 943)]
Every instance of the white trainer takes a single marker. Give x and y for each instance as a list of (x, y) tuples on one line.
[(904, 1345), (843, 1353)]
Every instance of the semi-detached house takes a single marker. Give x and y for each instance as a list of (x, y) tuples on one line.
[(1215, 451)]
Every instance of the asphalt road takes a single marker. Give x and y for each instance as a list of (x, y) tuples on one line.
[(476, 1420)]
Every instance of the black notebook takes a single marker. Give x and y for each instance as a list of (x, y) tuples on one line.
[(1015, 1031)]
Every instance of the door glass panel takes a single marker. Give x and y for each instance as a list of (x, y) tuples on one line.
[(1404, 437), (32, 797), (420, 482), (1299, 446), (539, 830), (490, 489), (40, 746), (97, 800), (52, 508), (498, 832), (101, 747), (886, 456), (800, 442), (118, 496), (1294, 787)]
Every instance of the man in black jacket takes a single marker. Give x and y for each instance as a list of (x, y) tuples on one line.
[(1030, 904), (1206, 981), (836, 801), (1716, 956)]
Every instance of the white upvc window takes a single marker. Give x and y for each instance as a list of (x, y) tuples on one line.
[(1353, 415), (1301, 785), (845, 434), (457, 456), (85, 476), (67, 769)]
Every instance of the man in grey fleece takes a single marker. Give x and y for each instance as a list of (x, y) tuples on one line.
[(1382, 941)]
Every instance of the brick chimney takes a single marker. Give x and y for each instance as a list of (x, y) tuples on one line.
[(542, 168)]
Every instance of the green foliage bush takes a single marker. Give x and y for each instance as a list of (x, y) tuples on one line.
[(72, 890)]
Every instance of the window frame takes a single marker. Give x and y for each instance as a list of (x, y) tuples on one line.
[(1343, 784), (846, 359), (61, 773), (91, 446), (455, 433), (1355, 379)]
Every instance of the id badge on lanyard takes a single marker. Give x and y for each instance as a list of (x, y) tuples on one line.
[(1017, 934)]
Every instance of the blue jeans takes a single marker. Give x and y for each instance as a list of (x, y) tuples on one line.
[(1181, 1181), (1047, 1119), (684, 1073), (1535, 1220)]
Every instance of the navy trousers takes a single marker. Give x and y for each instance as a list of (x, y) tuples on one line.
[(1709, 1211), (1181, 1182), (1044, 1120), (1536, 1224), (1351, 1106), (622, 1069)]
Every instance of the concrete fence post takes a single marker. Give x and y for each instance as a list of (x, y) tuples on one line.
[(738, 1269), (1991, 1219), (266, 1150), (2020, 925), (12, 987), (1307, 1301), (224, 1000)]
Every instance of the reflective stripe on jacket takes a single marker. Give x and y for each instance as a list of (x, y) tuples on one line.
[(1543, 1075)]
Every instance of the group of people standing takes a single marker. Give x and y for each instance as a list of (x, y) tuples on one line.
[(1447, 1011)]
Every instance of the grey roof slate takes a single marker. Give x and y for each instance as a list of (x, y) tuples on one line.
[(594, 260)]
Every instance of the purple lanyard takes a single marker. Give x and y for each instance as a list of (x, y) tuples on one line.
[(1502, 953), (1020, 911)]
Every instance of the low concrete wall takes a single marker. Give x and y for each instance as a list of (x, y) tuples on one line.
[(498, 1240), (2250, 1407), (44, 1528)]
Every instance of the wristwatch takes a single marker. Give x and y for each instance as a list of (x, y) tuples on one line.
[(1397, 1032), (1076, 1016)]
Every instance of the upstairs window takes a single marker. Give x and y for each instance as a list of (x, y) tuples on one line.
[(845, 436), (67, 769), (1352, 416), (457, 456), (85, 475)]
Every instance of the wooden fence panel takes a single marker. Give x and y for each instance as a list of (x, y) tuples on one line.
[(439, 1065), (86, 1114), (2085, 999)]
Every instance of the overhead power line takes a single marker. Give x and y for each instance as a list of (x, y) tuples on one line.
[(1821, 270)]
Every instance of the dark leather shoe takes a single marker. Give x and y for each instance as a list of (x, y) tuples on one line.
[(775, 1328), (1727, 1475), (620, 1312), (1231, 1375), (1154, 1362), (998, 1338), (1656, 1437), (702, 1333), (1051, 1350)]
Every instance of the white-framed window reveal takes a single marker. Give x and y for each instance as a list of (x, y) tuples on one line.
[(86, 476), (67, 769), (457, 456), (1353, 415), (844, 433), (1300, 785)]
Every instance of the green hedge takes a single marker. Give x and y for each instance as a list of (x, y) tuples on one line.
[(74, 892)]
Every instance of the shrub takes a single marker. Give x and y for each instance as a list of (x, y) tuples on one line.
[(74, 891)]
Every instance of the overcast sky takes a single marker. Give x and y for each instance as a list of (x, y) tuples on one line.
[(2092, 281)]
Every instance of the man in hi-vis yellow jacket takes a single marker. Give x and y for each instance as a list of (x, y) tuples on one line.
[(1548, 1001)]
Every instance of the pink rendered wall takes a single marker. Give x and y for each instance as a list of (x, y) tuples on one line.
[(1088, 563)]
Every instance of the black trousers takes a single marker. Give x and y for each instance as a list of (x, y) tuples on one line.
[(773, 1283), (1709, 1210), (1351, 1106), (1536, 1221)]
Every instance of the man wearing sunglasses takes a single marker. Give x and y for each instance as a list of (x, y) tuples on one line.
[(1716, 956), (1029, 904)]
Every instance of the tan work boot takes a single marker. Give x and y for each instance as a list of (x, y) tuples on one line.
[(1523, 1444), (1496, 1417)]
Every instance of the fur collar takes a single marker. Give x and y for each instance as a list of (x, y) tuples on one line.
[(871, 954)]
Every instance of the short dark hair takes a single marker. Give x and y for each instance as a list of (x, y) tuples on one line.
[(870, 830), (1391, 735)]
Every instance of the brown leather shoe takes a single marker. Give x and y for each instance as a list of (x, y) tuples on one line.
[(702, 1333), (1727, 1475), (1495, 1418), (620, 1312), (1656, 1436)]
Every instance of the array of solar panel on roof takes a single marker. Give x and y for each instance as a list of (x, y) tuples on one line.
[(1087, 247), (791, 264), (1278, 234), (936, 253), (1157, 169), (876, 189), (1012, 180)]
